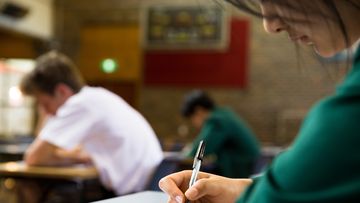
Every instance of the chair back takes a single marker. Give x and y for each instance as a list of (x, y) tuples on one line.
[(166, 167)]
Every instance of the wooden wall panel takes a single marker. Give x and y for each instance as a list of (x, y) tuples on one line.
[(120, 42), (127, 90), (110, 41), (14, 45)]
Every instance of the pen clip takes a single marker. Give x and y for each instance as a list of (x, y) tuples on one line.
[(199, 153)]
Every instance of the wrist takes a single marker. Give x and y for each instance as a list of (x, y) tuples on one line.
[(240, 186)]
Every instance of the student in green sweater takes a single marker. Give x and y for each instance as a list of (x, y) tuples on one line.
[(323, 164), (226, 136)]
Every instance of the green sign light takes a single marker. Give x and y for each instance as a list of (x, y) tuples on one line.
[(109, 65)]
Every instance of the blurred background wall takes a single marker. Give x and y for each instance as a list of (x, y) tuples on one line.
[(278, 93), (279, 88)]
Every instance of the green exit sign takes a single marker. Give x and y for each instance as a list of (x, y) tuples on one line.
[(109, 65)]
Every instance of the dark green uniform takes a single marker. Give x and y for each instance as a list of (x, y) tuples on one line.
[(231, 141), (323, 165)]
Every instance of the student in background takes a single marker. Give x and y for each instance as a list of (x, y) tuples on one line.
[(88, 124), (323, 164), (226, 136)]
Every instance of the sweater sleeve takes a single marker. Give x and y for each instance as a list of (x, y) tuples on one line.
[(323, 164)]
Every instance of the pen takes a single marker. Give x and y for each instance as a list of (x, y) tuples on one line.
[(197, 163)]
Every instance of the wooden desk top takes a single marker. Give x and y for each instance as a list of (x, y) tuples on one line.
[(20, 169)]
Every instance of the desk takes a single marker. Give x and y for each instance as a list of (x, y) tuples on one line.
[(78, 183), (13, 148), (20, 169), (185, 163), (12, 151), (141, 197)]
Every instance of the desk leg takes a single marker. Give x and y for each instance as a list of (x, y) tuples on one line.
[(80, 188)]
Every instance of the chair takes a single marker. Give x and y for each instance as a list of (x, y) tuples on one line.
[(166, 167)]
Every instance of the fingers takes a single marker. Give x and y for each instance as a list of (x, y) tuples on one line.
[(198, 190), (215, 187), (203, 187), (176, 183), (171, 185)]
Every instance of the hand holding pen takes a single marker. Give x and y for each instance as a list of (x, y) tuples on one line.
[(197, 163), (208, 189)]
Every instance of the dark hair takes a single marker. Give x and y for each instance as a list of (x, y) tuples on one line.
[(306, 7), (50, 70), (194, 99)]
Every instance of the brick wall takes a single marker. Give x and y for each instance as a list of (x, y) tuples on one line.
[(278, 81)]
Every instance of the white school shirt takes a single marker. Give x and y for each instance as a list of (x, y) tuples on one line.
[(121, 143)]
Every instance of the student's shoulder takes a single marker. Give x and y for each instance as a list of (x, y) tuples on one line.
[(222, 113), (222, 118), (227, 116), (91, 95), (343, 106), (84, 101), (333, 119)]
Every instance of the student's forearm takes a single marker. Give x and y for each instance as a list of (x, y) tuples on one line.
[(34, 156), (76, 155), (34, 159), (42, 153)]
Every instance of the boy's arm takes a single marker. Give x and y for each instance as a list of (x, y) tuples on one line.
[(43, 153)]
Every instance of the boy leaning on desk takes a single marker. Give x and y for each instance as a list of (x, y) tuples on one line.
[(89, 124)]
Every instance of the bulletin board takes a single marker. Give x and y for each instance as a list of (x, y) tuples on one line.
[(185, 27), (202, 68)]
